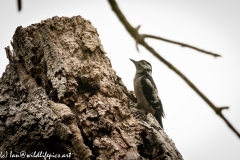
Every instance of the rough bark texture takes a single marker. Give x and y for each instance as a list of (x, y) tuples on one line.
[(60, 94)]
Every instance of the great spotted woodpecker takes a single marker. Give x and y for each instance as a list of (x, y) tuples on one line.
[(146, 90)]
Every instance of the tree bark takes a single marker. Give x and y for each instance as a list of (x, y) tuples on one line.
[(60, 95)]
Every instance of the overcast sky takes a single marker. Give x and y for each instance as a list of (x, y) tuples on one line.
[(209, 24)]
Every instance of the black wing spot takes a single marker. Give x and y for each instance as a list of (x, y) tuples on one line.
[(148, 93)]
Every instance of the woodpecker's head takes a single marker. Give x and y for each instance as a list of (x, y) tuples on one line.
[(142, 67)]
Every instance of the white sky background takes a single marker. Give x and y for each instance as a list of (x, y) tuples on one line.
[(209, 24)]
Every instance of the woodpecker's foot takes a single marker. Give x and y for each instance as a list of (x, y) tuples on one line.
[(139, 114)]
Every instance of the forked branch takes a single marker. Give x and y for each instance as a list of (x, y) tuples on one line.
[(140, 39), (181, 44)]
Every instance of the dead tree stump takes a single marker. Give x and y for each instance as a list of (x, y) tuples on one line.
[(60, 95)]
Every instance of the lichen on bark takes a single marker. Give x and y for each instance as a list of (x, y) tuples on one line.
[(60, 93)]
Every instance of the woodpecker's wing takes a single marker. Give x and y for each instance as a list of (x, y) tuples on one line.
[(151, 93)]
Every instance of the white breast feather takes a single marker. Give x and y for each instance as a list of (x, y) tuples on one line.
[(142, 102)]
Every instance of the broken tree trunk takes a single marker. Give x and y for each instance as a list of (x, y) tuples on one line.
[(59, 95)]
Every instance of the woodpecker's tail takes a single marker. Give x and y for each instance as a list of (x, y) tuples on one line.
[(159, 118)]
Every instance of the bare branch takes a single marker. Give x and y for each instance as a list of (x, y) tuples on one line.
[(140, 39), (181, 44), (127, 93), (137, 28), (130, 95), (19, 3), (222, 108)]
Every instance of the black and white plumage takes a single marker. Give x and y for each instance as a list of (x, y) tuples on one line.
[(146, 90)]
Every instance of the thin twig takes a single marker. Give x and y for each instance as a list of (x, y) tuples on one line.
[(140, 39), (130, 95), (127, 93), (181, 44), (19, 4)]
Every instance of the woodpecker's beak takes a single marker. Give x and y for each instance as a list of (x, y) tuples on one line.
[(133, 61)]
